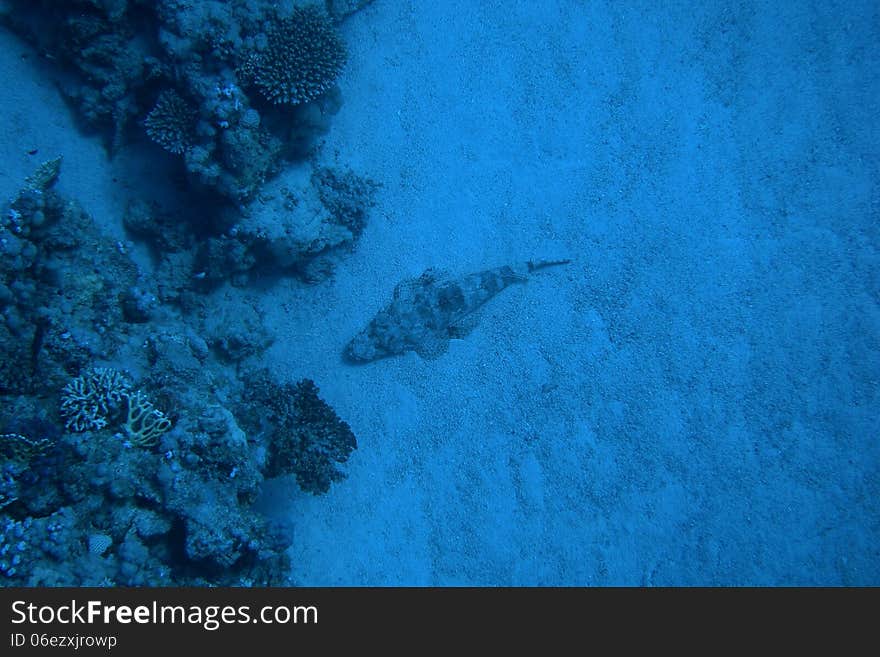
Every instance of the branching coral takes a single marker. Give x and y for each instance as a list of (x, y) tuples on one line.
[(94, 399), (303, 58), (91, 399), (170, 123)]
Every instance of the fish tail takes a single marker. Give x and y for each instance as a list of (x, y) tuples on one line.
[(535, 265)]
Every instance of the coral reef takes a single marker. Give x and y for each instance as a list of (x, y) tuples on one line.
[(122, 459), (145, 477), (164, 232), (184, 74), (235, 91), (60, 283), (17, 455), (236, 334), (111, 69), (346, 196)]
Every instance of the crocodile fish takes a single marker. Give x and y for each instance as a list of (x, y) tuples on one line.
[(426, 312)]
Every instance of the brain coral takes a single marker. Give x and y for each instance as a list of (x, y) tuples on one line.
[(302, 60)]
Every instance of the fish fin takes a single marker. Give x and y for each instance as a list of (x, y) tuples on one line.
[(463, 327), (405, 287), (432, 348), (433, 274)]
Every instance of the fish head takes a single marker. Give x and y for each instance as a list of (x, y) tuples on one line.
[(362, 349)]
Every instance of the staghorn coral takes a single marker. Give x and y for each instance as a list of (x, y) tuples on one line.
[(170, 122), (303, 58)]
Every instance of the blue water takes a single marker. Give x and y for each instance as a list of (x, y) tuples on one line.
[(695, 399)]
